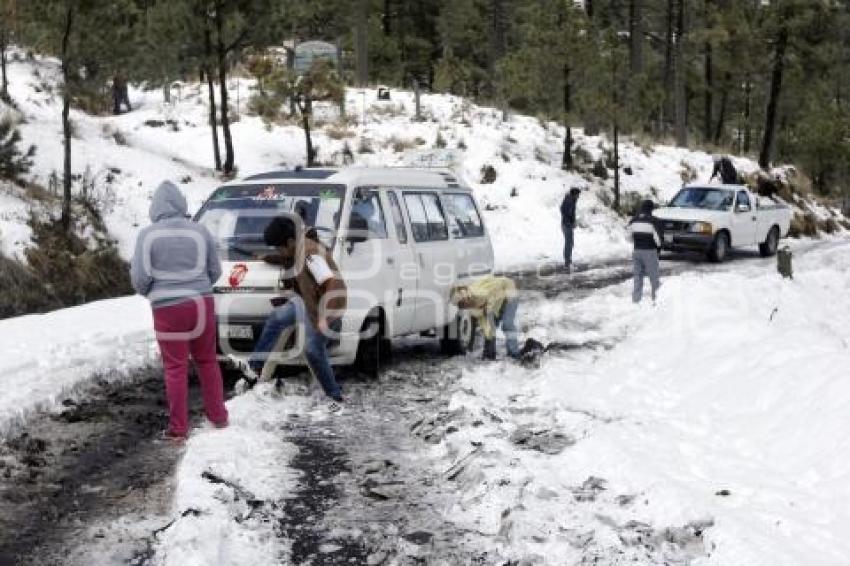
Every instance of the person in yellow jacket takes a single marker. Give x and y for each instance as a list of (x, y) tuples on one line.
[(493, 302)]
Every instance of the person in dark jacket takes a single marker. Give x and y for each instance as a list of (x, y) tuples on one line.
[(723, 166), (568, 223), (647, 235)]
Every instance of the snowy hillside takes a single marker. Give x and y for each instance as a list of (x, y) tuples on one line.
[(127, 156)]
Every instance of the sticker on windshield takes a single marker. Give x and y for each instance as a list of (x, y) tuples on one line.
[(221, 195), (328, 194), (268, 193)]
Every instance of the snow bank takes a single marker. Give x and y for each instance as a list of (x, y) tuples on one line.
[(45, 358), (228, 486), (726, 405)]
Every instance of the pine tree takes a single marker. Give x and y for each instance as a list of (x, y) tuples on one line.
[(13, 163), (85, 35), (8, 17), (320, 84)]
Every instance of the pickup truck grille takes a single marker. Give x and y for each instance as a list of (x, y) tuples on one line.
[(675, 225)]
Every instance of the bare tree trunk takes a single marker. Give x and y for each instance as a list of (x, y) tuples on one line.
[(721, 115), (361, 41), (498, 45), (207, 72), (306, 111), (67, 194), (636, 36), (748, 136), (4, 88), (227, 166), (681, 86), (667, 75), (773, 100), (387, 18), (567, 160), (709, 92)]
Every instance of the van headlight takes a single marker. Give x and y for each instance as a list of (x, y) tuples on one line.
[(701, 228)]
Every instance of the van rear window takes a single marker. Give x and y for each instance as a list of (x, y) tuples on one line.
[(237, 216), (465, 220)]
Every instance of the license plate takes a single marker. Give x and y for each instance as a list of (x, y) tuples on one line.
[(238, 332)]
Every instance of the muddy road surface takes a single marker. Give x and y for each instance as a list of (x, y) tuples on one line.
[(366, 494)]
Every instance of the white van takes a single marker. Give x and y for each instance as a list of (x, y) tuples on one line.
[(402, 239)]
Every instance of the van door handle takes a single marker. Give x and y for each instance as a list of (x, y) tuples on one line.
[(755, 218), (390, 261)]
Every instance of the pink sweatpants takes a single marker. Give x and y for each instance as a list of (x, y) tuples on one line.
[(181, 329)]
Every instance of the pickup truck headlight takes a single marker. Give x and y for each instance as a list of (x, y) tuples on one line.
[(701, 228)]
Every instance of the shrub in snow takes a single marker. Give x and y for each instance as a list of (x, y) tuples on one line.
[(365, 146), (599, 169), (13, 162), (488, 175), (440, 142)]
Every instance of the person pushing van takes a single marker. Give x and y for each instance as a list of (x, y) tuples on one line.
[(318, 303), (493, 301)]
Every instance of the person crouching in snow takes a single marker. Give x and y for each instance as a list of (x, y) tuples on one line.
[(493, 302), (647, 235), (175, 265), (317, 304)]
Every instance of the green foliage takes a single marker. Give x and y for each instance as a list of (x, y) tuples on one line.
[(13, 162)]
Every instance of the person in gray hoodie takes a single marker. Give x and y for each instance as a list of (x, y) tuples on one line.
[(175, 265)]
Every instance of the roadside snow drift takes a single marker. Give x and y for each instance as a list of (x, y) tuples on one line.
[(45, 358), (714, 431)]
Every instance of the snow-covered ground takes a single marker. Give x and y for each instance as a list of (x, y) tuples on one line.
[(128, 155), (722, 410), (46, 358), (711, 428)]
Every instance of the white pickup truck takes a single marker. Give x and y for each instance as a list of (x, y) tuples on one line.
[(714, 218)]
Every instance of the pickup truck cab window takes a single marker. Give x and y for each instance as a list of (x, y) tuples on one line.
[(743, 204)]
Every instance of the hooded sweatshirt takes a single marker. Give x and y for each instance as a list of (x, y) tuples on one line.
[(175, 258)]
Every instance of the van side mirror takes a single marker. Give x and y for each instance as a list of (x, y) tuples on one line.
[(743, 208), (358, 229)]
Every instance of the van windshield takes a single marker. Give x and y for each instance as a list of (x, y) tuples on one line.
[(237, 216), (703, 197)]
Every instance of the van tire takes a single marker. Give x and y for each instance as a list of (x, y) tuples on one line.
[(374, 350), (771, 244), (458, 337), (719, 248)]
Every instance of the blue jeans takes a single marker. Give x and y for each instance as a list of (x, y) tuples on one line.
[(508, 323), (315, 343)]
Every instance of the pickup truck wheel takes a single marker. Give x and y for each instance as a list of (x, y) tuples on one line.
[(720, 248), (458, 337), (771, 244)]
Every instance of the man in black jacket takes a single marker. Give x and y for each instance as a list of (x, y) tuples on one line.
[(568, 223), (724, 167), (647, 234)]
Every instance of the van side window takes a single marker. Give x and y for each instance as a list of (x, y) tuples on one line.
[(398, 218), (437, 227), (367, 206), (464, 217), (418, 219)]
